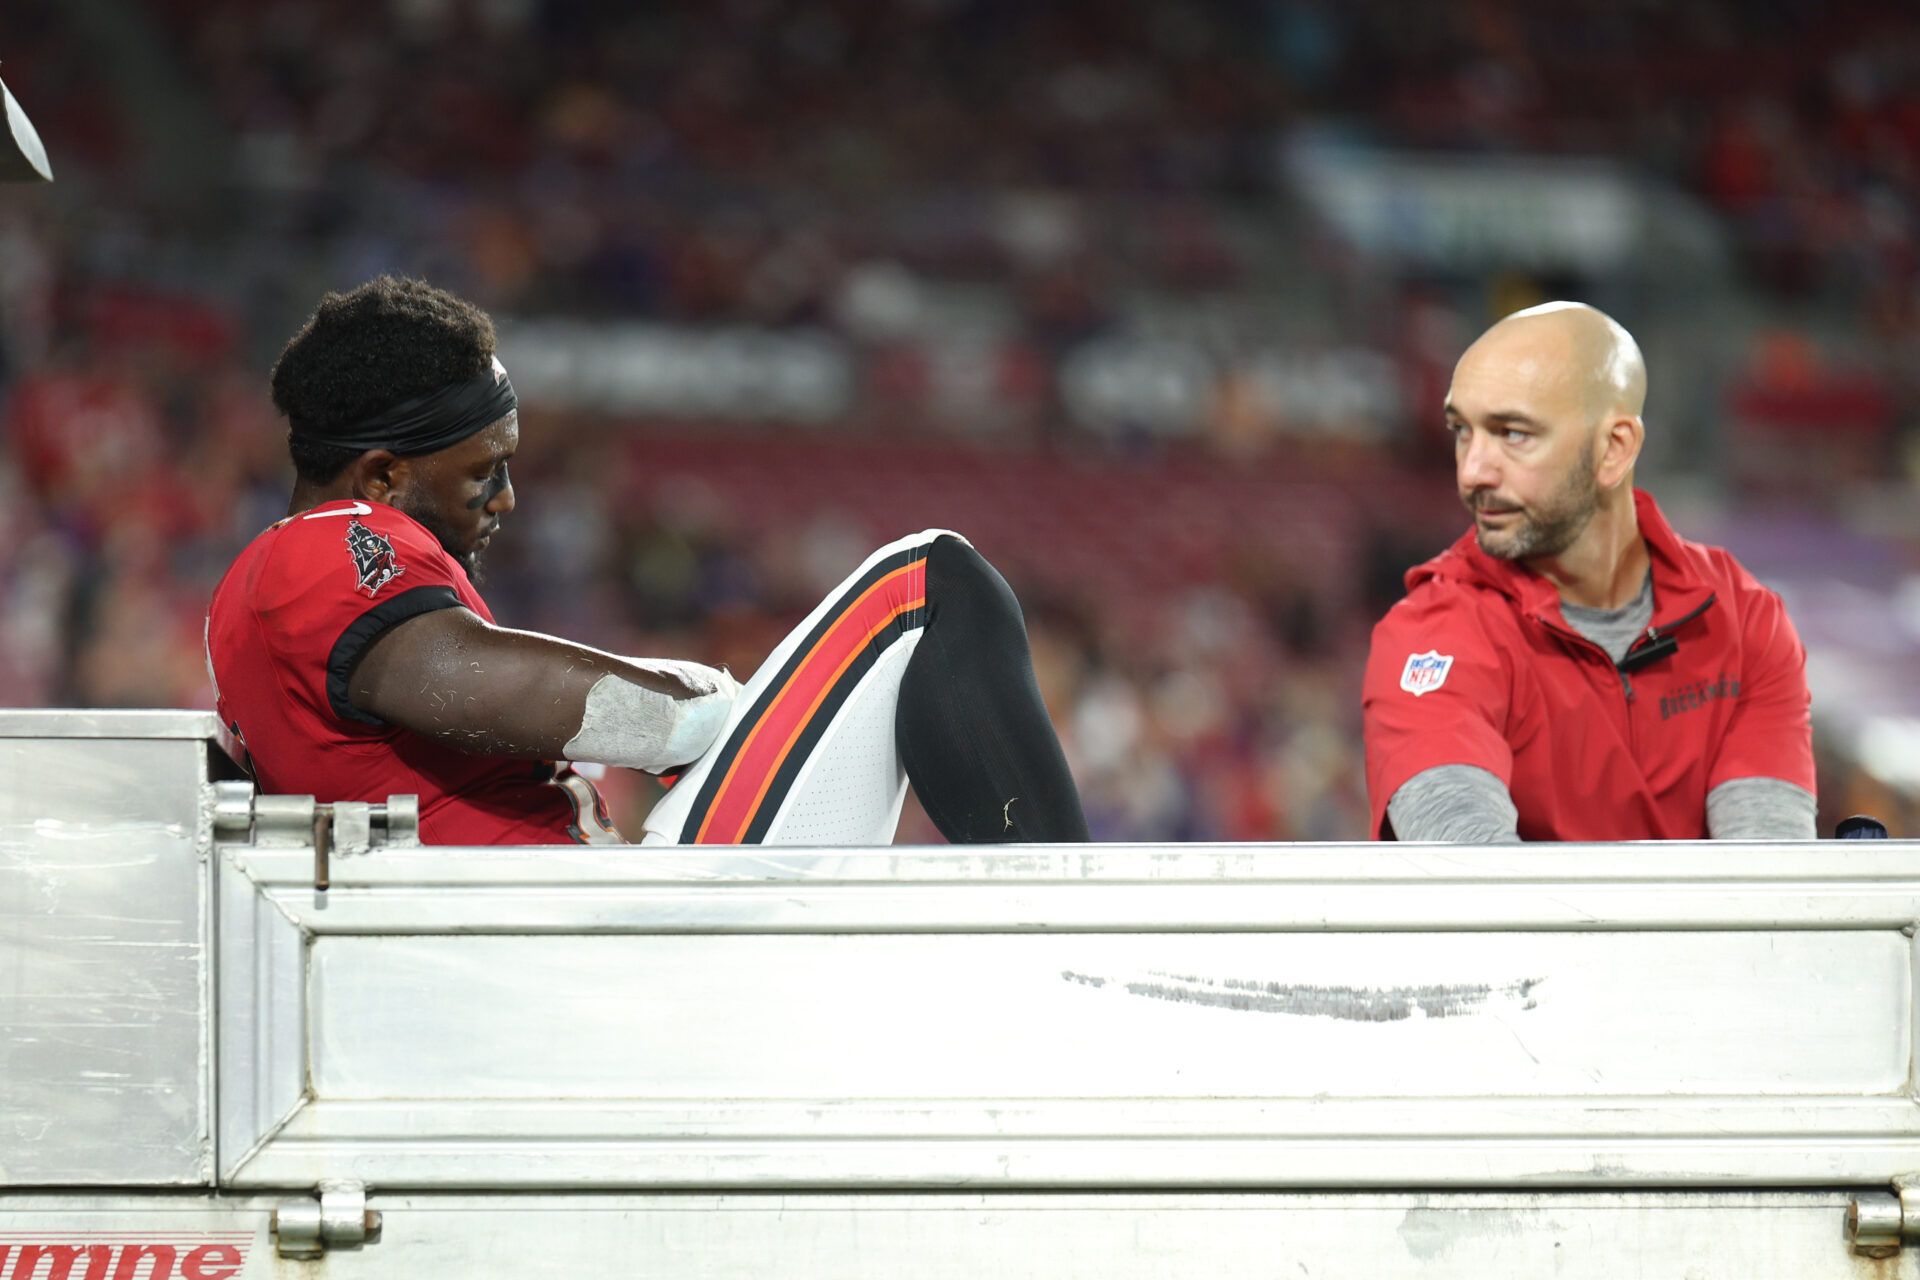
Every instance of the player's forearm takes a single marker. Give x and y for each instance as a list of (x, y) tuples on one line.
[(487, 690)]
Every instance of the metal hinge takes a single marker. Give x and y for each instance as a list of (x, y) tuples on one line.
[(240, 815), (1879, 1222), (336, 1217)]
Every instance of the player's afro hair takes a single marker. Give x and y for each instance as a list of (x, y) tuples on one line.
[(363, 351)]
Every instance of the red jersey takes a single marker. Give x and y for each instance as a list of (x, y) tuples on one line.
[(1478, 666), (288, 623)]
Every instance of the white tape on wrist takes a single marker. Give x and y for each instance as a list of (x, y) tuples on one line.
[(638, 728)]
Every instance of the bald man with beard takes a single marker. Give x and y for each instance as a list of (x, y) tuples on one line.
[(1571, 669)]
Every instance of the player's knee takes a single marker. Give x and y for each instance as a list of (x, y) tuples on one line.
[(961, 584)]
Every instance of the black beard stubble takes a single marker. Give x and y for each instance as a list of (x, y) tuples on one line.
[(1561, 519), (433, 524)]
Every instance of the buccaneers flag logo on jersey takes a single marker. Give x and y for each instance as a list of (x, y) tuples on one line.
[(372, 558)]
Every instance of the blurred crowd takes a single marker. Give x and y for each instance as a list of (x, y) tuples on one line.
[(1007, 179), (737, 159)]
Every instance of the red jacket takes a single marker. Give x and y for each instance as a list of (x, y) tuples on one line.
[(1478, 666)]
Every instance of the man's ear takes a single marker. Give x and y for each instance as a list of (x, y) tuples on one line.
[(379, 475), (1620, 445)]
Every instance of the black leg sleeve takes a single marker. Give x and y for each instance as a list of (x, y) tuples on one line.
[(971, 728)]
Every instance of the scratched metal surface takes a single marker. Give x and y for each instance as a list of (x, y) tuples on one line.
[(102, 972), (1126, 1017), (1112, 1016)]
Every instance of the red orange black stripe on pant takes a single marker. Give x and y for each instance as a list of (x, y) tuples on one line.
[(743, 791)]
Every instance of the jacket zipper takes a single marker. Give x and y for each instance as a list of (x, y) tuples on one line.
[(1653, 636)]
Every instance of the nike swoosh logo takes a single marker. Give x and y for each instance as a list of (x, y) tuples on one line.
[(357, 509)]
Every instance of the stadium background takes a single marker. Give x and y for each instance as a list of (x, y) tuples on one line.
[(1154, 300)]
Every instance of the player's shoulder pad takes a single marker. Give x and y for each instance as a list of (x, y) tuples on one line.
[(331, 522), (369, 548)]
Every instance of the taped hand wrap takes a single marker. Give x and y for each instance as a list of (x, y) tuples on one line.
[(639, 728)]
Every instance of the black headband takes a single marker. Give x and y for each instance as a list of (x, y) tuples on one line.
[(428, 423)]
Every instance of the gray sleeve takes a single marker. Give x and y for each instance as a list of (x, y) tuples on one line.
[(1760, 809), (1454, 804)]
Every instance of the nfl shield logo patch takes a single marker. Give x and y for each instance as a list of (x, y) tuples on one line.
[(1425, 672)]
